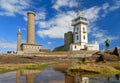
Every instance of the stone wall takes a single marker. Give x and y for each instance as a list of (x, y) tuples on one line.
[(68, 39), (30, 48)]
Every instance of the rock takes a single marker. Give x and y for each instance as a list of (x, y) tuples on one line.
[(117, 51), (107, 57)]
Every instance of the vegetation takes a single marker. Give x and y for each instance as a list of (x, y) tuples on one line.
[(94, 68), (12, 67)]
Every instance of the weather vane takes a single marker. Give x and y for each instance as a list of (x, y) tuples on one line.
[(78, 8)]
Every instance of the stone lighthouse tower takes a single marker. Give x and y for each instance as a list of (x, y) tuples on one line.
[(31, 28), (19, 40)]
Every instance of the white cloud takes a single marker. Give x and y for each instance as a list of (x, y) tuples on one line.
[(63, 3), (10, 7), (5, 44), (115, 6), (49, 43), (100, 35), (108, 7), (40, 15), (92, 13), (57, 26)]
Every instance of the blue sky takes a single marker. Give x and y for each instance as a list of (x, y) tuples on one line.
[(53, 19)]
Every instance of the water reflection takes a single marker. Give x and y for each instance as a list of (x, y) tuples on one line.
[(49, 76), (117, 76), (76, 79), (53, 76), (29, 74)]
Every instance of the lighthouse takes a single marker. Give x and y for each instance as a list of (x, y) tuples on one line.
[(80, 33), (18, 40), (31, 28)]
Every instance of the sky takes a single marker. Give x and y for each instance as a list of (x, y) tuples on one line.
[(53, 19)]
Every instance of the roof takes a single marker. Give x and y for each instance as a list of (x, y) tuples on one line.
[(31, 44)]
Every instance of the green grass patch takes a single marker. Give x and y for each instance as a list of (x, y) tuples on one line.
[(36, 67), (3, 70), (25, 67)]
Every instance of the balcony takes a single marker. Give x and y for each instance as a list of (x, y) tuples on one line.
[(79, 19)]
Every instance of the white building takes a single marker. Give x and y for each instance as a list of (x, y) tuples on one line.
[(80, 35)]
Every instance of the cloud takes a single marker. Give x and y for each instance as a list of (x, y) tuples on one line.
[(10, 7), (92, 13), (7, 45), (57, 4), (115, 6), (49, 43), (100, 35), (57, 26), (110, 7)]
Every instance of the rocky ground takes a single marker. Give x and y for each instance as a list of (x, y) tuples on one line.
[(63, 57), (107, 57)]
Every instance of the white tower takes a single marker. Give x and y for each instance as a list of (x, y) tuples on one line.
[(80, 33), (19, 40)]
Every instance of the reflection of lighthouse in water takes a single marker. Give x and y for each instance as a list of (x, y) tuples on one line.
[(29, 74), (76, 79)]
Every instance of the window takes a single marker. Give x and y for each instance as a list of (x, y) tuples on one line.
[(77, 38), (84, 37), (83, 28), (77, 28)]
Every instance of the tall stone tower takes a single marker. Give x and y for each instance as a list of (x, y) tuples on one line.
[(31, 28), (80, 32), (19, 40)]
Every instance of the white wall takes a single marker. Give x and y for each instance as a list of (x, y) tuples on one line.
[(75, 47), (93, 47)]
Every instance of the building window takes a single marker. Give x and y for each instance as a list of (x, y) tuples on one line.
[(84, 37), (77, 38), (83, 28), (77, 28)]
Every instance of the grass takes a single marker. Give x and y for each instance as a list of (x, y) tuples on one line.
[(35, 67), (113, 64), (3, 70), (13, 67), (96, 68)]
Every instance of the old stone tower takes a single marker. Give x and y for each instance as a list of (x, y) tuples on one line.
[(18, 40), (31, 28)]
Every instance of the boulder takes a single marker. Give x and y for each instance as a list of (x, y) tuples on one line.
[(117, 51), (107, 57)]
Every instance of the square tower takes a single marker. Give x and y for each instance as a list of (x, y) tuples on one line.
[(80, 33)]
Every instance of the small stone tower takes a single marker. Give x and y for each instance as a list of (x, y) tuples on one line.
[(19, 40), (31, 28), (68, 39), (80, 32)]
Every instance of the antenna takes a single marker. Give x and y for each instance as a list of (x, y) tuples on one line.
[(77, 7)]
